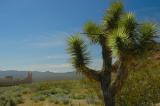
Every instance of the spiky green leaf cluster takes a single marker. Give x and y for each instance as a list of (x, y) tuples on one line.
[(118, 41), (131, 38), (113, 15), (78, 51), (129, 23), (123, 38), (93, 31), (147, 32)]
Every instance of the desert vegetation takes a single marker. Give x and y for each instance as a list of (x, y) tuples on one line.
[(57, 93), (142, 88), (129, 76)]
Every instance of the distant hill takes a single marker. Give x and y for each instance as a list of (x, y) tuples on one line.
[(40, 76)]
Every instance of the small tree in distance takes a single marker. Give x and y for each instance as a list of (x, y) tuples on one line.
[(121, 38)]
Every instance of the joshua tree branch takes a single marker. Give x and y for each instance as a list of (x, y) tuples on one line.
[(121, 76), (90, 73), (106, 56)]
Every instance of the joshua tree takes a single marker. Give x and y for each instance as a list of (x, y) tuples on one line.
[(121, 38)]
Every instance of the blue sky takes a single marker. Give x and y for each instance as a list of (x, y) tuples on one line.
[(33, 32)]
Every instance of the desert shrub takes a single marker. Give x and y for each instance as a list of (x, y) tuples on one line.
[(142, 87), (40, 86), (18, 100), (7, 101), (66, 91), (37, 98), (63, 84), (78, 96), (62, 91), (41, 95), (46, 92), (11, 96), (59, 99), (54, 99), (10, 103), (65, 100), (26, 91)]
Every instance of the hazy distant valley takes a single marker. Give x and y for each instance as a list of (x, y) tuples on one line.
[(40, 76)]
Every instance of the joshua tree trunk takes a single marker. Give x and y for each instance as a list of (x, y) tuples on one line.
[(105, 76), (109, 99), (109, 90)]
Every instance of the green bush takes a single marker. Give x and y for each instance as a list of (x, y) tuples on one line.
[(142, 87), (7, 101), (57, 99), (11, 96)]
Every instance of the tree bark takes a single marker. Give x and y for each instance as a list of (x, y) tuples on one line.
[(106, 56), (105, 77), (109, 99), (90, 73), (121, 76)]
